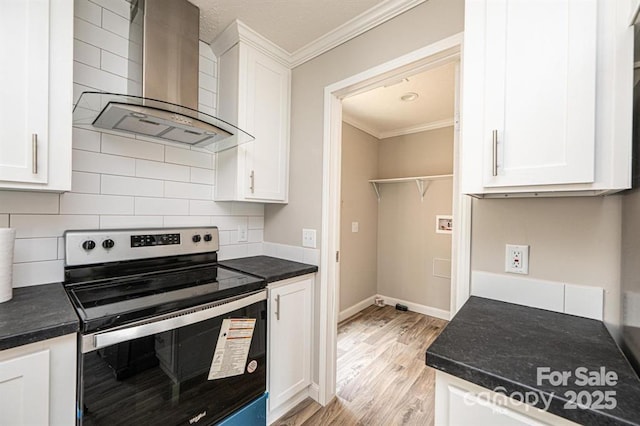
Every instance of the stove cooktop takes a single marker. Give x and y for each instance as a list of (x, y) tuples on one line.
[(113, 302)]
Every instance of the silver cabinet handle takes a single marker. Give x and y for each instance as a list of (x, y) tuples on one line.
[(34, 153), (278, 307), (252, 176), (494, 165)]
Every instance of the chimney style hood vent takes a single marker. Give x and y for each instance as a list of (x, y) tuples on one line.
[(167, 107)]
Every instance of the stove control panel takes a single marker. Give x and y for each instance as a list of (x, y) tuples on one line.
[(86, 247), (154, 240)]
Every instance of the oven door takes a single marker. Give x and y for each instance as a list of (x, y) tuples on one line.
[(162, 372)]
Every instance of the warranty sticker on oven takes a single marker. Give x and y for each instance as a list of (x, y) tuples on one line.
[(232, 348)]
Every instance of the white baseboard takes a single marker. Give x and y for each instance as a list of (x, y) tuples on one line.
[(314, 392), (352, 310), (416, 307)]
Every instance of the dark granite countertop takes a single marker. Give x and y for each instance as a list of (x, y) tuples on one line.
[(492, 343), (269, 268), (36, 313)]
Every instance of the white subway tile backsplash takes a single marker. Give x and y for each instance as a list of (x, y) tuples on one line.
[(256, 235), (85, 161), (229, 223), (205, 176), (99, 37), (207, 82), (78, 89), (207, 109), (122, 185), (115, 23), (35, 249), (206, 97), (32, 273), (86, 140), (188, 158), (121, 7), (71, 203), (114, 64), (4, 220), (85, 183), (256, 222), (35, 225), (211, 208), (129, 147), (161, 207), (194, 191), (86, 53), (248, 209), (105, 81), (254, 249), (87, 11), (233, 251), (112, 222), (60, 248), (28, 202), (206, 66), (177, 221), (157, 170), (205, 50)]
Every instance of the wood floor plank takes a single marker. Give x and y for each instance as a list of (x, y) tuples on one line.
[(382, 378)]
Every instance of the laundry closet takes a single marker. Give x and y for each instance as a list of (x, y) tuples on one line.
[(396, 196)]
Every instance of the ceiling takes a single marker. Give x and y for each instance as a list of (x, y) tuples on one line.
[(289, 24), (381, 113)]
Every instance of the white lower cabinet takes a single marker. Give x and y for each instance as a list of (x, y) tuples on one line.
[(462, 403), (38, 383), (290, 315)]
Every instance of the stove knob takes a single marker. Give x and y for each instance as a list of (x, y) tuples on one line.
[(208, 237), (108, 244), (196, 238), (89, 245)]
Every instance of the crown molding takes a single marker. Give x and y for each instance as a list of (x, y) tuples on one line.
[(417, 129), (360, 126), (371, 18), (238, 31)]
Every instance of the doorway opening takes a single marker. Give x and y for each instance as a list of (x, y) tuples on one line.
[(445, 53)]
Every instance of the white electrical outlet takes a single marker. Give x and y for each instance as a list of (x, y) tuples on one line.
[(243, 236), (516, 259), (355, 226), (309, 238)]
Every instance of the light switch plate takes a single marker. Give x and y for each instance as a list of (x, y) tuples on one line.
[(309, 238), (243, 233), (355, 226)]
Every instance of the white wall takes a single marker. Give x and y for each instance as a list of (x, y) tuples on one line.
[(358, 263), (121, 182)]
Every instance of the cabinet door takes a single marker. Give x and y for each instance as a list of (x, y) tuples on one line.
[(24, 90), (267, 119), (290, 341), (24, 390), (539, 91)]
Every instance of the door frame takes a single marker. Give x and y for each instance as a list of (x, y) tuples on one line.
[(446, 50)]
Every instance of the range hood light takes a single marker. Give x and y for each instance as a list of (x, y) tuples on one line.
[(138, 115)]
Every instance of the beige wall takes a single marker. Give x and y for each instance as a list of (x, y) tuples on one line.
[(358, 261), (574, 240), (424, 153), (425, 24), (407, 240)]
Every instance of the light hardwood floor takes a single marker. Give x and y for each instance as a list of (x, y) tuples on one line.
[(382, 376)]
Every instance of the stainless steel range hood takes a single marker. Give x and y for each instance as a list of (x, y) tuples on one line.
[(163, 83)]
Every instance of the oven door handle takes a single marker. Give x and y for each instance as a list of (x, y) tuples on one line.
[(91, 342)]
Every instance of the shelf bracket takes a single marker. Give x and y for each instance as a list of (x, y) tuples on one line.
[(377, 189), (422, 187)]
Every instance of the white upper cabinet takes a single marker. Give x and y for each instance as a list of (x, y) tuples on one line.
[(36, 76), (254, 93), (546, 97)]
